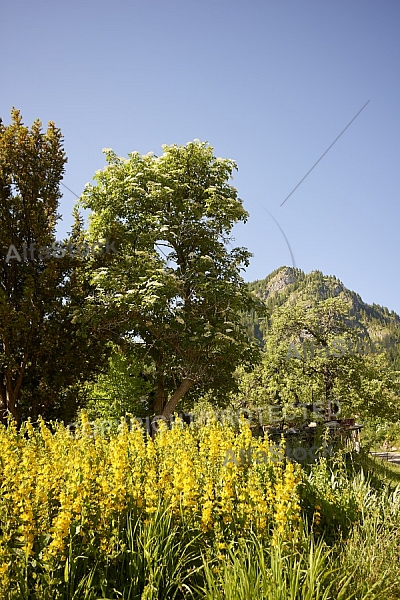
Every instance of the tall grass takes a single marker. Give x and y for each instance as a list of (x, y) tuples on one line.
[(252, 571), (363, 566), (153, 559)]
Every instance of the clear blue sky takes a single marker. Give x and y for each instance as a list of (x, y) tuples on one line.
[(268, 83)]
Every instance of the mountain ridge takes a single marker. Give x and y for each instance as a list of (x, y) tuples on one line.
[(290, 285)]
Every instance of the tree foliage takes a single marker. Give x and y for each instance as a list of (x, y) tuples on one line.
[(315, 354), (127, 386), (43, 354), (173, 287)]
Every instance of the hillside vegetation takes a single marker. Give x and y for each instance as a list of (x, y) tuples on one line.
[(289, 286)]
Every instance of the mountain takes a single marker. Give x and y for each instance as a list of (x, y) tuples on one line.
[(288, 285)]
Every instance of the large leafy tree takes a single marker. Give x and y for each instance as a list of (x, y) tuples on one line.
[(43, 353), (173, 286), (316, 354)]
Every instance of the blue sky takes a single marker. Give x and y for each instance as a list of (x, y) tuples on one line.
[(269, 84)]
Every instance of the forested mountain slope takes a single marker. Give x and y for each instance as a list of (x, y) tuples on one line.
[(290, 286)]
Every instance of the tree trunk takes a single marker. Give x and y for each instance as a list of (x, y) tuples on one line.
[(159, 401), (9, 402), (3, 402), (176, 396), (328, 381), (12, 405)]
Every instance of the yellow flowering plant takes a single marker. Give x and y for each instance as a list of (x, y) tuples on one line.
[(58, 486)]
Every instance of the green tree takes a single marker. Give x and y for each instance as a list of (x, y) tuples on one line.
[(43, 353), (127, 386), (173, 285), (315, 353)]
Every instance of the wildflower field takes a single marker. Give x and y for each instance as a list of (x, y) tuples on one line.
[(122, 515)]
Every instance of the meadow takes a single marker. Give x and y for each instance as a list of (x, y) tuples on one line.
[(122, 515)]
